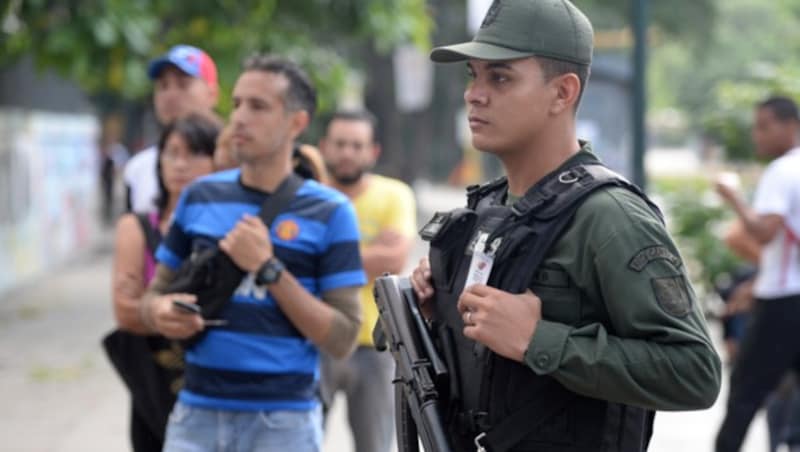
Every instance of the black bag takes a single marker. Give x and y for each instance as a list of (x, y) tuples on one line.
[(153, 385), (212, 276)]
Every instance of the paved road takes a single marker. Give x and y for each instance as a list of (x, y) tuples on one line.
[(59, 394)]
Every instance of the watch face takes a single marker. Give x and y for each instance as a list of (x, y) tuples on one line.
[(270, 272)]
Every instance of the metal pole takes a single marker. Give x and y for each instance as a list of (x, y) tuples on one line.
[(640, 21)]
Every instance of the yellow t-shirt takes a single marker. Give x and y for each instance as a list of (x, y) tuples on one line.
[(386, 204)]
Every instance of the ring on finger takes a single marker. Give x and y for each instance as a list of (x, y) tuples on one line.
[(469, 317)]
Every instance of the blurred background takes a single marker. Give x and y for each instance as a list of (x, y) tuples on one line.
[(669, 105)]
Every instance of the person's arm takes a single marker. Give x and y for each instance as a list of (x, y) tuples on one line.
[(741, 243), (655, 352), (762, 227), (128, 274), (332, 326), (386, 254), (742, 299), (157, 311), (159, 315), (389, 251)]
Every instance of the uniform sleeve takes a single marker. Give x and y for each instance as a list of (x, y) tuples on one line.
[(403, 212), (774, 191), (177, 244), (655, 351), (340, 263)]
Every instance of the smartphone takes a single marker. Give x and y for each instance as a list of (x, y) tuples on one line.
[(189, 308)]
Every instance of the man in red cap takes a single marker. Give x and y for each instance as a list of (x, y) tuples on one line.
[(185, 81)]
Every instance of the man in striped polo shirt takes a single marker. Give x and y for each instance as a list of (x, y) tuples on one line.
[(251, 385)]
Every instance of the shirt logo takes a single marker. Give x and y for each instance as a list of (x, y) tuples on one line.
[(491, 15), (287, 230)]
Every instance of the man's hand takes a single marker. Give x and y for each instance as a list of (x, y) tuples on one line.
[(248, 243), (422, 284), (741, 300), (727, 191), (502, 321), (171, 321)]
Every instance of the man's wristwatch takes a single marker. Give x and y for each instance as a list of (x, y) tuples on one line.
[(270, 272)]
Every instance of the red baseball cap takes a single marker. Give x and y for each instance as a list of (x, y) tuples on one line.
[(190, 60)]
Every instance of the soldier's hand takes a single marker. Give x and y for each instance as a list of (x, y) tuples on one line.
[(171, 321), (422, 284), (248, 243), (502, 321)]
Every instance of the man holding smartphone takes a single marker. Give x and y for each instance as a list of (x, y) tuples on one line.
[(252, 384)]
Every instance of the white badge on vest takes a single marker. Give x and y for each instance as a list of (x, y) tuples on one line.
[(480, 267)]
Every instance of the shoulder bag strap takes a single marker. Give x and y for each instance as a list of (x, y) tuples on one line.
[(280, 199)]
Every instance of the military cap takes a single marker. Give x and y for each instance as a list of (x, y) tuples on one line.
[(522, 28)]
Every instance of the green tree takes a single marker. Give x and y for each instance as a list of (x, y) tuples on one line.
[(685, 19), (104, 45), (751, 52)]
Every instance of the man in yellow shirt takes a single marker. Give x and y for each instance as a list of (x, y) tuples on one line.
[(386, 214)]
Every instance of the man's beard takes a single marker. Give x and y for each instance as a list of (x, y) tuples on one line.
[(346, 180)]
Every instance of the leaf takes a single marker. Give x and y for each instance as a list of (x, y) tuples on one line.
[(104, 32)]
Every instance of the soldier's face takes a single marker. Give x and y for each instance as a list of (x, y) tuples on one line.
[(349, 150), (508, 103)]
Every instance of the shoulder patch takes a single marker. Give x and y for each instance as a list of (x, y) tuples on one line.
[(491, 15), (652, 253), (672, 294)]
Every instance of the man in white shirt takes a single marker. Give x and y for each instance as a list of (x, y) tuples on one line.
[(185, 81), (771, 346)]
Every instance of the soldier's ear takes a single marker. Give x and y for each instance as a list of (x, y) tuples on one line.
[(568, 89)]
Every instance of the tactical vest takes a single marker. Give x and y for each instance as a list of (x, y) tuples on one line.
[(493, 402)]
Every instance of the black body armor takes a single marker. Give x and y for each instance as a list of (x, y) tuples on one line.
[(492, 403)]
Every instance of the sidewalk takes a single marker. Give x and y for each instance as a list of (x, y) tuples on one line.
[(60, 394)]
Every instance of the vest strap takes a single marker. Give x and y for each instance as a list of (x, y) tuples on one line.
[(519, 424)]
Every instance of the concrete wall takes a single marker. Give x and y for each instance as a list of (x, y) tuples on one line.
[(48, 174)]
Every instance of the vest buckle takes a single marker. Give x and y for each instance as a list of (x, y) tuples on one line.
[(478, 446), (568, 177)]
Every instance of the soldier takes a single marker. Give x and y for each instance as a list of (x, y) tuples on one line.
[(567, 304)]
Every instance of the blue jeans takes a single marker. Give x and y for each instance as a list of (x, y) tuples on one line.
[(194, 429)]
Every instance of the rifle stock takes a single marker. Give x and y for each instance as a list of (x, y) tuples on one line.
[(402, 330)]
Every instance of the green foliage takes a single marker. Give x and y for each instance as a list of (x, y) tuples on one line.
[(683, 19), (730, 122), (105, 45), (752, 51)]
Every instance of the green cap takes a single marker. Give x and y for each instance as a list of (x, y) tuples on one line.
[(522, 28)]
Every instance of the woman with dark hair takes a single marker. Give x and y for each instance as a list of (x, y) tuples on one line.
[(185, 152)]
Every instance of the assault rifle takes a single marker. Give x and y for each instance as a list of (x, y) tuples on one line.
[(402, 330)]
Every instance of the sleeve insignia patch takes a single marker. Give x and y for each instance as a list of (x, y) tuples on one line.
[(672, 294), (650, 254)]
